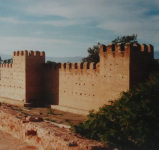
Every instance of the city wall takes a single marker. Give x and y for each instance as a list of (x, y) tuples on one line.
[(77, 85)]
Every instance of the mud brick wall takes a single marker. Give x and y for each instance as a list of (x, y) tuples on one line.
[(76, 85)]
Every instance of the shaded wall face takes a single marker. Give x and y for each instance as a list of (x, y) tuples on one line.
[(12, 83), (141, 63), (35, 77), (51, 84)]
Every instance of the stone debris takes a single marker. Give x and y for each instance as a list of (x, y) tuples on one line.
[(44, 135), (34, 119)]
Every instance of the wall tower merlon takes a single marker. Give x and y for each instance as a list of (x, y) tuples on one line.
[(14, 53), (144, 48), (68, 66), (151, 51), (119, 47), (42, 53), (137, 47), (92, 66), (36, 53), (150, 48), (110, 49), (98, 65), (128, 49), (10, 65), (80, 65), (21, 53), (17, 53), (86, 65), (74, 65), (25, 53), (31, 53), (63, 66), (7, 65)]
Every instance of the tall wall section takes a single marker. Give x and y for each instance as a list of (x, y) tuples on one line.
[(35, 77), (141, 63), (12, 83), (51, 83)]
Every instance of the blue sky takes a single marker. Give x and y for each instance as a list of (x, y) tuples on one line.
[(65, 28)]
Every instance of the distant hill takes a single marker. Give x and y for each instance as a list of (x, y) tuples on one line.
[(54, 59), (66, 59), (156, 54)]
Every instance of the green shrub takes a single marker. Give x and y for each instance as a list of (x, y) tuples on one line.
[(130, 122)]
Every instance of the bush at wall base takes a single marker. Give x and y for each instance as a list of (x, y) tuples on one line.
[(130, 122)]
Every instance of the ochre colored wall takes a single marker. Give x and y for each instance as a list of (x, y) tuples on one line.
[(82, 86), (12, 83), (120, 68)]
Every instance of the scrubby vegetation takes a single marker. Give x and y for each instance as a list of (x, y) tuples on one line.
[(130, 122)]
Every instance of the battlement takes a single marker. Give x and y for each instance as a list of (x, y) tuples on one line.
[(52, 65), (6, 65), (72, 66), (125, 51), (79, 66), (30, 53)]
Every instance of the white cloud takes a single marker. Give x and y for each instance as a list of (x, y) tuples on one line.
[(63, 22), (9, 20), (52, 47), (119, 17)]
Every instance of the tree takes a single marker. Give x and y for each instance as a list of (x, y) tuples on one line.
[(1, 60), (125, 39), (8, 60), (130, 122), (93, 53)]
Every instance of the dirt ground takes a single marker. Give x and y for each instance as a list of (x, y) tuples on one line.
[(49, 114), (7, 142)]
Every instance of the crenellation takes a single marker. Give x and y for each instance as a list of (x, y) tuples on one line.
[(26, 53), (31, 53), (144, 48), (68, 66), (74, 66), (17, 53), (79, 65), (92, 66), (36, 53), (14, 53), (119, 48), (21, 53), (63, 66), (110, 48), (86, 66), (42, 53), (150, 48)]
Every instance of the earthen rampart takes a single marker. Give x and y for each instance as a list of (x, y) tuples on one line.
[(76, 85)]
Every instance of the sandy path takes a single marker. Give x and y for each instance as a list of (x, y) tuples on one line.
[(7, 142)]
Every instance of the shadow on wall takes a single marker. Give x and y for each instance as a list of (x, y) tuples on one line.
[(51, 85)]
